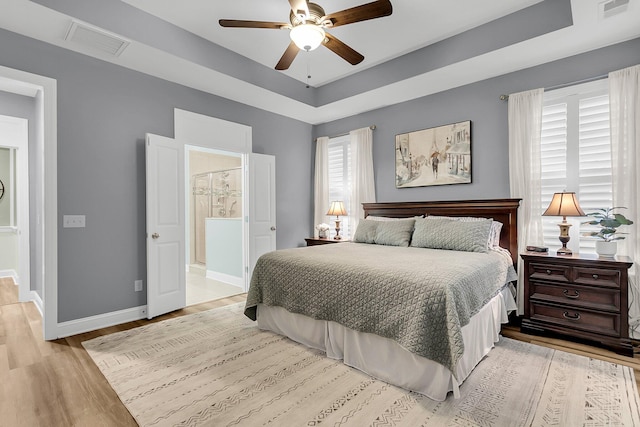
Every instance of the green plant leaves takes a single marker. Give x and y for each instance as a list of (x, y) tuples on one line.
[(608, 221), (622, 220)]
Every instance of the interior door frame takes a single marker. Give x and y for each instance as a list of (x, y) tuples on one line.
[(44, 89), (211, 133)]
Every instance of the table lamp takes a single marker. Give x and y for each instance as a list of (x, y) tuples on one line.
[(337, 209), (564, 204)]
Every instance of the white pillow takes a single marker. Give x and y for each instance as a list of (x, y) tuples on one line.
[(494, 233)]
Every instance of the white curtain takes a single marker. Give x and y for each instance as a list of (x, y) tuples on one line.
[(525, 128), (624, 104), (321, 182), (363, 188)]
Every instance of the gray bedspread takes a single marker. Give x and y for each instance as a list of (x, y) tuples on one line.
[(418, 297)]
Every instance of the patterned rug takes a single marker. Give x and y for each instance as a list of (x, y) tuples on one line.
[(216, 368)]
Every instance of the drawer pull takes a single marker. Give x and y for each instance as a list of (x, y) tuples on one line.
[(566, 315), (595, 276), (548, 271), (575, 295)]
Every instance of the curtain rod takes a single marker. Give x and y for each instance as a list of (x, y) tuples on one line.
[(372, 127), (563, 85)]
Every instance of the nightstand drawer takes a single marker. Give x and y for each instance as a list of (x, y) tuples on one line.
[(557, 273), (597, 277), (582, 296), (578, 296), (600, 323)]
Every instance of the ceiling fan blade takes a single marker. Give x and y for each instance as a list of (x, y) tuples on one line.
[(288, 57), (300, 8), (236, 23), (376, 9), (342, 50)]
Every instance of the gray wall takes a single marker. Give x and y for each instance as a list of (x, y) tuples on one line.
[(25, 108), (478, 102), (104, 112)]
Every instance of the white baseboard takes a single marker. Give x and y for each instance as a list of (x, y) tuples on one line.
[(79, 326), (10, 273), (226, 278), (35, 298)]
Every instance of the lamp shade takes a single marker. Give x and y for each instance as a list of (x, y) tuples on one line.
[(564, 204), (337, 209), (307, 36)]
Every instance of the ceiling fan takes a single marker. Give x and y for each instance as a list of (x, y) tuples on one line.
[(308, 21)]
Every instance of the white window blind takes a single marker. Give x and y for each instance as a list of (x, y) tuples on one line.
[(576, 156), (340, 179)]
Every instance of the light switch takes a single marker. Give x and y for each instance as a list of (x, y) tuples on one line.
[(73, 221)]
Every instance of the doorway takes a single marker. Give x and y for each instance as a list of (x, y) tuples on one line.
[(43, 252), (14, 203), (166, 204), (215, 210)]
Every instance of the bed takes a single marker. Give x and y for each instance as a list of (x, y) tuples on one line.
[(405, 311)]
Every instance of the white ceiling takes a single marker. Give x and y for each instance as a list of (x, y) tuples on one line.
[(389, 37), (412, 25)]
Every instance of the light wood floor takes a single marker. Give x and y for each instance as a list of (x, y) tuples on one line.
[(55, 383)]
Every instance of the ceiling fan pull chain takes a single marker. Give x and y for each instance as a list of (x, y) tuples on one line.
[(308, 71)]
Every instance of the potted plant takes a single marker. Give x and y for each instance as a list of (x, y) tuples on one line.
[(608, 222)]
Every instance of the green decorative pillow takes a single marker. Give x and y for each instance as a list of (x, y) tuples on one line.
[(391, 233), (494, 233), (444, 233), (395, 233), (366, 231)]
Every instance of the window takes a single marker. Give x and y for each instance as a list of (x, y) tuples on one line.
[(339, 163), (576, 156)]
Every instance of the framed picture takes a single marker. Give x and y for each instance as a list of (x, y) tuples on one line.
[(434, 156)]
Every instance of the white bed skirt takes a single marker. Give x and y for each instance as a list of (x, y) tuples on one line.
[(385, 359)]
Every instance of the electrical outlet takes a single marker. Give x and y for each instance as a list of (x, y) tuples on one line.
[(137, 285), (73, 221)]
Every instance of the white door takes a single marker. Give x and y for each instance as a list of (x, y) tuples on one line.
[(166, 289), (262, 207)]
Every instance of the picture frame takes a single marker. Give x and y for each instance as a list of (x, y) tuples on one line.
[(434, 156)]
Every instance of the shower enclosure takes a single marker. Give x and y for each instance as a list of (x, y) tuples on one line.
[(216, 194)]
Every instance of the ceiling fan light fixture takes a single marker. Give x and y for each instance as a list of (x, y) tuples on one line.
[(307, 36)]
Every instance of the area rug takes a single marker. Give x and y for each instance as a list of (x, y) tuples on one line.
[(216, 368)]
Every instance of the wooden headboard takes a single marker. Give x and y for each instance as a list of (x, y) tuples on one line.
[(502, 210)]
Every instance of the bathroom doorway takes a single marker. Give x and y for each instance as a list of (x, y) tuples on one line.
[(215, 239)]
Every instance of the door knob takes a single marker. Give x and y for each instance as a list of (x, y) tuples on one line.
[(155, 235), (273, 228)]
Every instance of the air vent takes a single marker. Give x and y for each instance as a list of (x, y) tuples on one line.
[(612, 7), (96, 38)]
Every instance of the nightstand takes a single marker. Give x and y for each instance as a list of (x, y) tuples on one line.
[(313, 241), (580, 296)]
